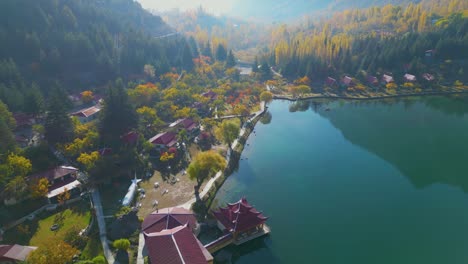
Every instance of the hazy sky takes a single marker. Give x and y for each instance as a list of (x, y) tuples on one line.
[(214, 6)]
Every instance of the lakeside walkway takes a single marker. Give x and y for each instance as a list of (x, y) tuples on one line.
[(334, 96), (188, 205), (102, 225)]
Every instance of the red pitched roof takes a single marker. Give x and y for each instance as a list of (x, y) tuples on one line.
[(105, 151), (409, 77), (176, 246), (428, 77), (387, 78), (130, 137), (186, 123), (347, 80), (23, 119), (240, 216), (87, 112), (330, 81), (372, 79), (167, 219), (167, 139), (55, 173), (15, 252), (210, 94)]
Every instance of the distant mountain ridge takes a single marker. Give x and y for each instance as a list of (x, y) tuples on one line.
[(286, 10)]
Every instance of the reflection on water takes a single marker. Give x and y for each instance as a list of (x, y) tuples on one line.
[(355, 182), (426, 146)]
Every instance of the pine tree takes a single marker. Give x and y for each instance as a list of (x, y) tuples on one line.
[(231, 60), (221, 53), (193, 47), (265, 72), (118, 115), (58, 125), (187, 58), (34, 101), (255, 65), (207, 50)]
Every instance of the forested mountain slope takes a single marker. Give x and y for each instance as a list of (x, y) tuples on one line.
[(388, 39), (80, 43)]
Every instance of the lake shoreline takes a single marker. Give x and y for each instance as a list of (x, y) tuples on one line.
[(235, 158), (380, 97)]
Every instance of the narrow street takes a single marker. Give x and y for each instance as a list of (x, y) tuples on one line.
[(102, 225)]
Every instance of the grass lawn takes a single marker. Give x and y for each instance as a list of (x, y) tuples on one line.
[(78, 216)]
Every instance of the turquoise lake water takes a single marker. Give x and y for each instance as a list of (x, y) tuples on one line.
[(357, 182)]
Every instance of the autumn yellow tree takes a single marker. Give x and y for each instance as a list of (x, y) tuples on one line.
[(205, 165), (88, 159), (266, 96), (63, 197), (55, 251), (166, 156), (227, 131), (87, 97), (40, 188)]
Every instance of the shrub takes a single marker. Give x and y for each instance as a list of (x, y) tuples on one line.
[(121, 244), (99, 260)]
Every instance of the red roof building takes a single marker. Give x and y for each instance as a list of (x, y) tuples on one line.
[(164, 140), (23, 120), (105, 151), (330, 81), (372, 80), (428, 77), (88, 114), (60, 178), (348, 81), (14, 253), (239, 217), (386, 79), (130, 138), (409, 78), (176, 246), (169, 218), (210, 94)]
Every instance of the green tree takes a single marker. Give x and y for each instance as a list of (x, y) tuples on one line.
[(266, 96), (118, 115), (221, 53), (207, 50), (227, 132), (205, 165), (34, 101), (255, 65), (231, 60), (187, 58), (58, 125), (121, 244), (193, 47), (265, 72)]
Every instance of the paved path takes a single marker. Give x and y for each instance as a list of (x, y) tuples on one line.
[(102, 226), (141, 245)]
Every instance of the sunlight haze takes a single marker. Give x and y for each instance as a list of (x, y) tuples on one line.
[(214, 6)]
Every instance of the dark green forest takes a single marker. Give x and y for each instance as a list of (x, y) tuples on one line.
[(79, 44)]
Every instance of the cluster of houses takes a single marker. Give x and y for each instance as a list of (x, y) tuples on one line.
[(169, 139), (171, 234), (373, 81)]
